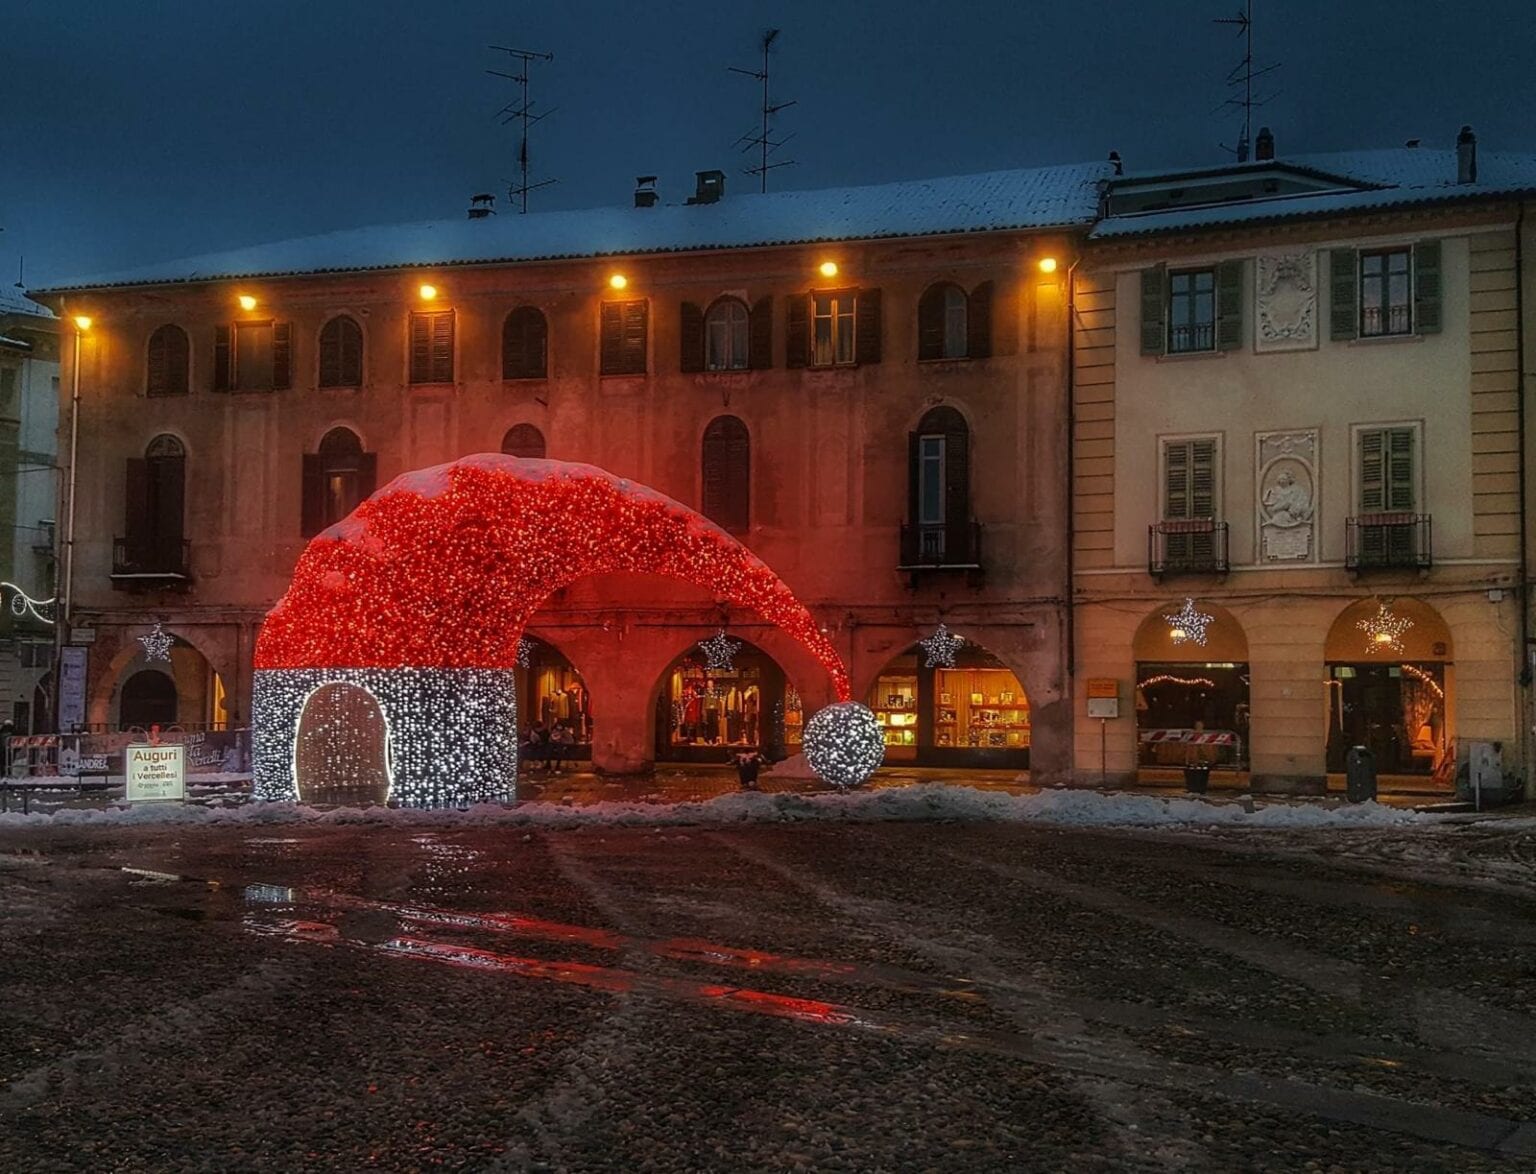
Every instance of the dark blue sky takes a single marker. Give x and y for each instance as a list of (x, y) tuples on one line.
[(138, 130)]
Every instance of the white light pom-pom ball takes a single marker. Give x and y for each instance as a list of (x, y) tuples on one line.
[(843, 743)]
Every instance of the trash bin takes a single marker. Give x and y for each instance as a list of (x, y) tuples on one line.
[(1197, 777), (1360, 775)]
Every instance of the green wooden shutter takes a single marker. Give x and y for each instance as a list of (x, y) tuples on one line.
[(1427, 316), (1176, 478), (1229, 305), (1373, 471), (1343, 294), (1399, 470), (1154, 310)]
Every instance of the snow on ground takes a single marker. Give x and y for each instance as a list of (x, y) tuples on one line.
[(924, 801)]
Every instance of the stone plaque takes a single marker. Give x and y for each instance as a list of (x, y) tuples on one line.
[(1285, 301), (1285, 494)]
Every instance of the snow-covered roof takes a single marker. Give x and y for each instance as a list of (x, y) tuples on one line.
[(1396, 178), (13, 301), (1036, 198)]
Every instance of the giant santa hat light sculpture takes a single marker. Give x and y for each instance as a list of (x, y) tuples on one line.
[(421, 597)]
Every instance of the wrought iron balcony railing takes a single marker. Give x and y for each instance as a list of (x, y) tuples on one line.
[(152, 559), (955, 546), (1389, 541), (1192, 546)]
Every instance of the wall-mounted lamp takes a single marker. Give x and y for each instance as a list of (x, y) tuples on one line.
[(828, 268), (618, 281), (247, 302)]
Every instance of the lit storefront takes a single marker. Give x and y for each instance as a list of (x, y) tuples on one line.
[(551, 691), (1389, 683), (1192, 689), (974, 714), (703, 714)]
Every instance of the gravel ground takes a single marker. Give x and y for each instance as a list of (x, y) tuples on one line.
[(830, 997)]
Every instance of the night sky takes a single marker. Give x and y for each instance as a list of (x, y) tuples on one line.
[(136, 131)]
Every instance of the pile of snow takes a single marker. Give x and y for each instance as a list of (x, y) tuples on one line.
[(793, 767), (920, 802)]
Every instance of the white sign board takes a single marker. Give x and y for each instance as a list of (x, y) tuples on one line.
[(1104, 707), (156, 773)]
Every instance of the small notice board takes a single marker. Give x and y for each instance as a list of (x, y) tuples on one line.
[(1103, 697), (156, 773)]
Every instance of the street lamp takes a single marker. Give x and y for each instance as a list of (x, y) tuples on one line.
[(82, 324)]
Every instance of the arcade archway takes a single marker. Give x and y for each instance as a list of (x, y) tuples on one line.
[(702, 713), (179, 688), (1390, 685), (1192, 687), (972, 714), (551, 692)]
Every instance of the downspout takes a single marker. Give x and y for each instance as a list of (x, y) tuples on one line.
[(1524, 675), (1071, 559)]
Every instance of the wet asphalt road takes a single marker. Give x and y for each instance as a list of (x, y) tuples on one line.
[(836, 997)]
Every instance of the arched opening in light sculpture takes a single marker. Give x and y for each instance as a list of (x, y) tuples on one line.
[(422, 594)]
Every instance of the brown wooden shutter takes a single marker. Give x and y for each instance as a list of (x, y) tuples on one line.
[(623, 338), (282, 355), (312, 515), (760, 335), (636, 325), (168, 491), (930, 323), (727, 474), (690, 332), (866, 327), (978, 322), (330, 353), (797, 330), (442, 347), (137, 525), (1154, 310), (421, 349), (367, 475), (611, 337), (914, 475), (222, 348)]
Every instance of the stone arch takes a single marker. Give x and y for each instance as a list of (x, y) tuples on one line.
[(552, 689), (701, 714), (1157, 637), (1428, 637), (202, 678), (1191, 695)]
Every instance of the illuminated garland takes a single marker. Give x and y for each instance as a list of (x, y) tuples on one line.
[(1188, 623), (157, 644), (23, 604), (1420, 675), (1170, 679), (940, 647)]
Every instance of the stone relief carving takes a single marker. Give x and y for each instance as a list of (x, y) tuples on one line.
[(1286, 496), (1285, 298)]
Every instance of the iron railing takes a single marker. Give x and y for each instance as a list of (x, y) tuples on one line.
[(1191, 546), (955, 545), (1389, 541), (151, 558)]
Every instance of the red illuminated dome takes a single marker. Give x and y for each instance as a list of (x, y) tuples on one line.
[(443, 568)]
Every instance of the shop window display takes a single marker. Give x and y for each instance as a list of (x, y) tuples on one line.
[(1191, 713), (706, 712), (972, 714), (1398, 710), (551, 691)]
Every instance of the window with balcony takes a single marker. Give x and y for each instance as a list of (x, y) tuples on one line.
[(153, 545), (1190, 538), (940, 530), (1388, 532), (1192, 311), (1385, 293), (726, 474), (1385, 306)]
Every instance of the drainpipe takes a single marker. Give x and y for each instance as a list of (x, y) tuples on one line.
[(1525, 573), (1071, 560)]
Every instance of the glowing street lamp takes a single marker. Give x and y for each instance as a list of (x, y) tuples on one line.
[(618, 281), (827, 268), (247, 302)]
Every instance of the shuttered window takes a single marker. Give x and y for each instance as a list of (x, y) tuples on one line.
[(1385, 303), (154, 505), (1387, 470), (1191, 311), (168, 360), (336, 480), (341, 353), (623, 342), (832, 329), (1383, 292), (727, 474), (939, 483), (525, 344), (1190, 478), (952, 324), (253, 356), (432, 346), (523, 440)]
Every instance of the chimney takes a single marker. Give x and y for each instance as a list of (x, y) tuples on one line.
[(711, 186), (482, 205), (1466, 156), (1114, 157), (1264, 145), (645, 191)]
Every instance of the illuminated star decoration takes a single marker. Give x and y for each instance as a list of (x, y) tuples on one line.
[(1188, 623), (941, 647), (157, 645), (720, 652), (1384, 631)]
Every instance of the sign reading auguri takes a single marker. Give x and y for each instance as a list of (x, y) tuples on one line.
[(156, 772)]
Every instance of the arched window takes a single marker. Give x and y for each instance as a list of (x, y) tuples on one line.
[(154, 505), (524, 345), (727, 467), (167, 365), (148, 699), (725, 336), (523, 440), (341, 353), (952, 324), (336, 479), (939, 491)]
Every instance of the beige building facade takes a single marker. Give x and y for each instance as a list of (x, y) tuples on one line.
[(1297, 474)]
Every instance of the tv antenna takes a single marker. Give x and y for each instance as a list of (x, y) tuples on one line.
[(1240, 79), (521, 110), (763, 140)]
